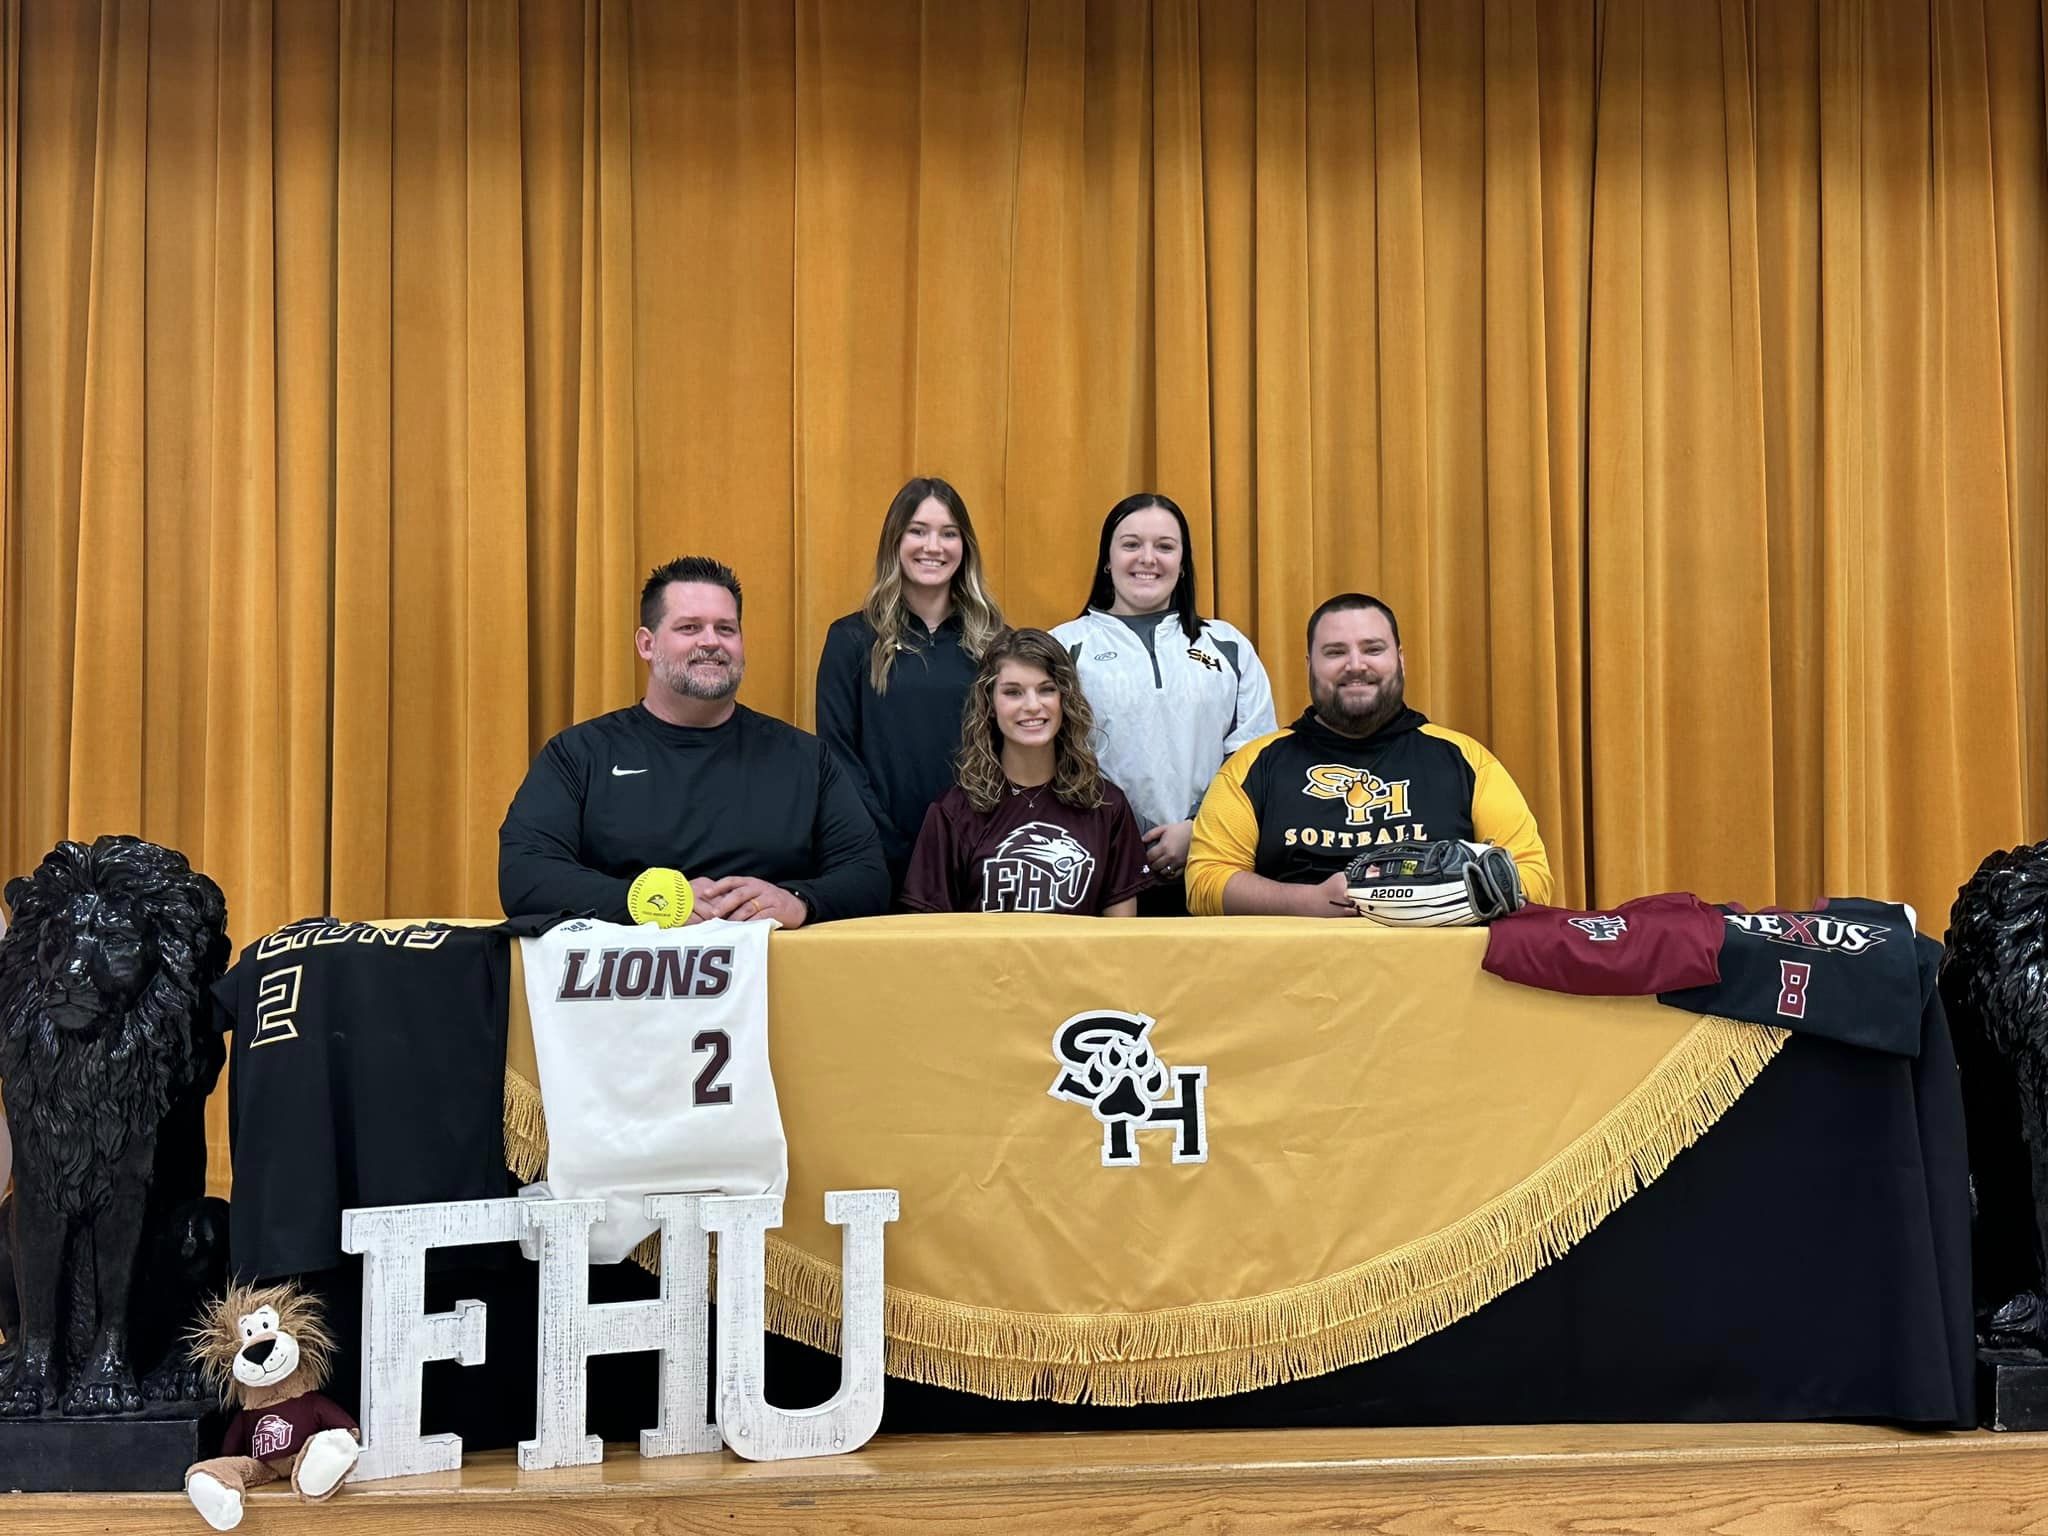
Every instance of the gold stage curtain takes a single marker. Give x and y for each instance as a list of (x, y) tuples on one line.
[(1391, 1138), (1677, 370)]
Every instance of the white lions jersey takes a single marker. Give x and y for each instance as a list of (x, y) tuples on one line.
[(653, 1053)]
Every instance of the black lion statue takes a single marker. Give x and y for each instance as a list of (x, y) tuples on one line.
[(107, 1054), (1994, 984)]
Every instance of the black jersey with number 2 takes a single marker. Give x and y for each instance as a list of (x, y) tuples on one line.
[(368, 1069)]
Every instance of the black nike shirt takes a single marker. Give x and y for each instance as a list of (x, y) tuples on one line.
[(627, 791)]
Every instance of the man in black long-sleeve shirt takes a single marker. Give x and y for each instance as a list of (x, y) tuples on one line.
[(754, 811)]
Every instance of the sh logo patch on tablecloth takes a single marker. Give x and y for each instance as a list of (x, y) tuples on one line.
[(1107, 1063)]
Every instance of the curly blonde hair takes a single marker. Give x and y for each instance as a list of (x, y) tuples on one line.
[(980, 618), (217, 1338), (1076, 777)]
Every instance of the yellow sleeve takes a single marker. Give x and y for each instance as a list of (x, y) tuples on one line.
[(1500, 815), (1225, 840)]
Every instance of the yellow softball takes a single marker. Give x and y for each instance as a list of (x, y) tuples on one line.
[(662, 897)]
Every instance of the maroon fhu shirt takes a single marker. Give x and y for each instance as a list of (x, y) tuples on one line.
[(1032, 853), (1652, 944), (277, 1433)]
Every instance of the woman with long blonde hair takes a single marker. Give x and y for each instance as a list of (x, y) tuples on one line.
[(1031, 825), (893, 676)]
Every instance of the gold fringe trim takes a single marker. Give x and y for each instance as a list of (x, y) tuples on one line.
[(1210, 1349), (526, 1128), (1179, 1354), (647, 1254)]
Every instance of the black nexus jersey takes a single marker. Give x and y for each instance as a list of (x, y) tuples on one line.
[(1849, 971)]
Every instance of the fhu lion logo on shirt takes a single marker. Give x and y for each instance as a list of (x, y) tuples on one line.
[(1601, 930), (1107, 1064), (1038, 868), (272, 1436), (1363, 792)]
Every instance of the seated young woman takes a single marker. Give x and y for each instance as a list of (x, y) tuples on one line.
[(1030, 824)]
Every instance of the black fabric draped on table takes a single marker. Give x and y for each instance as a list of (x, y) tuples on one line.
[(1808, 1259)]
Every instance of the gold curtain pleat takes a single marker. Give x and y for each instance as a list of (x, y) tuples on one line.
[(1676, 371)]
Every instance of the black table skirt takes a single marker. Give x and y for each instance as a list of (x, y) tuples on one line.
[(1808, 1259)]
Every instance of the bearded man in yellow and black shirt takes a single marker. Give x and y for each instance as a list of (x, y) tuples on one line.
[(1288, 812)]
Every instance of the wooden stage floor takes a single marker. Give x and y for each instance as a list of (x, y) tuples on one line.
[(1756, 1480)]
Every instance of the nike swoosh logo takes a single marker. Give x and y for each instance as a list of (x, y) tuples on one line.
[(625, 773)]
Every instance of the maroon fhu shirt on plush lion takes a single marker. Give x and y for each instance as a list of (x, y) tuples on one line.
[(1032, 853), (276, 1433)]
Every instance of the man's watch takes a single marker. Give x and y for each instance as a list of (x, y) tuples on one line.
[(810, 910)]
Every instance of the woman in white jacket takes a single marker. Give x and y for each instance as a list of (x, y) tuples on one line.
[(1173, 693)]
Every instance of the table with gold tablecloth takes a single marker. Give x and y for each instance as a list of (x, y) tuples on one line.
[(1392, 1139)]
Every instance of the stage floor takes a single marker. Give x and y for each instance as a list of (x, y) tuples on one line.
[(1762, 1478)]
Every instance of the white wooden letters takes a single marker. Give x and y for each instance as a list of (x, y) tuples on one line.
[(399, 1336), (571, 1330), (751, 1426)]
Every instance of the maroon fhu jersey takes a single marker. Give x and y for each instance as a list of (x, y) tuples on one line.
[(1652, 944)]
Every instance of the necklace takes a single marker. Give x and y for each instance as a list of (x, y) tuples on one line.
[(1030, 795)]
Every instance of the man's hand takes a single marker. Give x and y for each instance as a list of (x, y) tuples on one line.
[(1255, 895), (1166, 848), (704, 891), (744, 899), (1330, 899)]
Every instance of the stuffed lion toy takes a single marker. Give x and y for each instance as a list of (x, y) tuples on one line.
[(269, 1351)]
